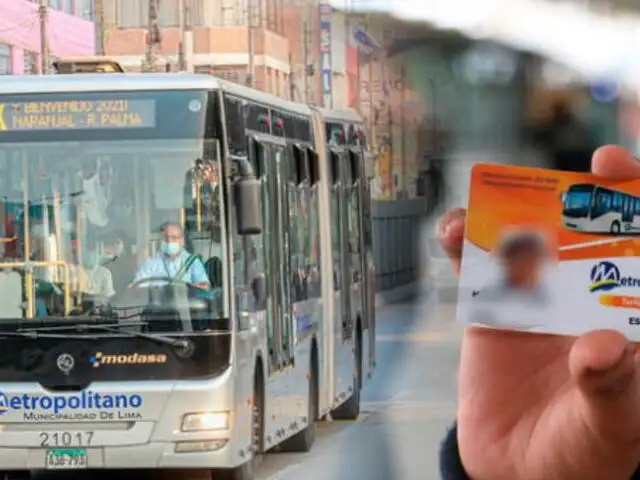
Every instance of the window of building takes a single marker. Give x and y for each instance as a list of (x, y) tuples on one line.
[(67, 6), (84, 9), (5, 59), (55, 4), (30, 63)]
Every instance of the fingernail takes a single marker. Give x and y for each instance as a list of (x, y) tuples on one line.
[(444, 225), (447, 229), (445, 222)]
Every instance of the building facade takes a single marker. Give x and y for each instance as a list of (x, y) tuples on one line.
[(297, 53), (70, 32), (221, 41)]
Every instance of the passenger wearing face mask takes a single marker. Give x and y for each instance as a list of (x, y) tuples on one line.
[(172, 263), (94, 277)]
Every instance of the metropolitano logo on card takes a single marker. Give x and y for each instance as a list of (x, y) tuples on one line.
[(606, 276)]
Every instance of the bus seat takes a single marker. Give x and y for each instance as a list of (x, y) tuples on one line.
[(213, 267), (11, 294)]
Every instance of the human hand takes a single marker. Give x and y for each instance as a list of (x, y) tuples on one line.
[(546, 407)]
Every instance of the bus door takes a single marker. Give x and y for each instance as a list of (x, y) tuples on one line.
[(339, 213), (270, 155), (366, 250), (353, 203), (627, 209)]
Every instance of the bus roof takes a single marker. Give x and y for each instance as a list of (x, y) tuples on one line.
[(264, 98), (99, 82), (346, 115)]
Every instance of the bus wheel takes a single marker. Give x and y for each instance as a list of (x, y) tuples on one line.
[(615, 227), (303, 440), (350, 409)]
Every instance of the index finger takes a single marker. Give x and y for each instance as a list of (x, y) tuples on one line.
[(615, 162)]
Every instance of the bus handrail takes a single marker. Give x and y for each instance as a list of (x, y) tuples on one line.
[(29, 280)]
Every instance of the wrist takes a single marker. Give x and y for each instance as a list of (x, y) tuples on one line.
[(451, 467)]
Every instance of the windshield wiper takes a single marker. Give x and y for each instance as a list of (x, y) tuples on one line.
[(115, 328), (31, 335)]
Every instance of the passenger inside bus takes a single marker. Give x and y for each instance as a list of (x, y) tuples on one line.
[(172, 263), (119, 259), (95, 279)]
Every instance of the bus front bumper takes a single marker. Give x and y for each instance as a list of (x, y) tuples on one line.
[(203, 454)]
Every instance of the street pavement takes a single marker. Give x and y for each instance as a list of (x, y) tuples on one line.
[(407, 406)]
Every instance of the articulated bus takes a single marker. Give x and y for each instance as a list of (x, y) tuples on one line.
[(186, 277), (591, 208)]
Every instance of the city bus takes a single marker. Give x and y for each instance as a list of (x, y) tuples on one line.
[(592, 208), (175, 370)]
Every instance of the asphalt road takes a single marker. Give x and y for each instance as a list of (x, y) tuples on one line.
[(407, 406)]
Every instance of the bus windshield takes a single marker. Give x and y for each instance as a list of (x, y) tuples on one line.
[(577, 201), (109, 202)]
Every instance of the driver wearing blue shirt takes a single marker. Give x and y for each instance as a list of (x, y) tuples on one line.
[(172, 263)]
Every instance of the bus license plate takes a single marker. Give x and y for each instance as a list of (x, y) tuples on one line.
[(66, 459)]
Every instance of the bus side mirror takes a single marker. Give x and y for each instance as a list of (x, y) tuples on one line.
[(246, 193), (563, 197)]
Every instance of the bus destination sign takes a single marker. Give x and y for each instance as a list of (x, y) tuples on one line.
[(77, 114)]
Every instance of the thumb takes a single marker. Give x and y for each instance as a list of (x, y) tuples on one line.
[(450, 230), (604, 366)]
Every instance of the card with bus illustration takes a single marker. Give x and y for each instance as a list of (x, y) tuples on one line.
[(551, 252)]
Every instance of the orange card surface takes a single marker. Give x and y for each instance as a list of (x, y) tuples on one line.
[(551, 252)]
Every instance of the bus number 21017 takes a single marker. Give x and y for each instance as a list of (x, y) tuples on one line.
[(65, 439)]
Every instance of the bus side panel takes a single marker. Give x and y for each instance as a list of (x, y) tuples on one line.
[(249, 345)]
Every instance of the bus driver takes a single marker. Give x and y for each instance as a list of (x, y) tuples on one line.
[(172, 262)]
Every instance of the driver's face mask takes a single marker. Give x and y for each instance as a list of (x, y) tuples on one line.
[(170, 248)]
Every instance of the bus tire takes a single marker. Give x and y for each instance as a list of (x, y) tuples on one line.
[(350, 410), (302, 441), (615, 227)]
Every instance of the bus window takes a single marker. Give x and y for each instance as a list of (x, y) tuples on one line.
[(336, 231), (353, 213), (236, 123), (297, 222), (617, 202), (263, 246), (277, 173), (313, 252)]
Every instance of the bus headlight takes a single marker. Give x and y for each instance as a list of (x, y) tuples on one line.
[(205, 421)]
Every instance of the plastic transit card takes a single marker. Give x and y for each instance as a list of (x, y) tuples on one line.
[(551, 252)]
